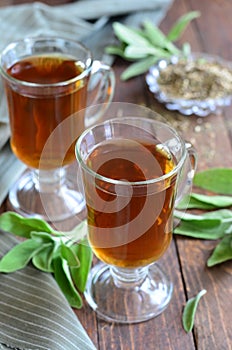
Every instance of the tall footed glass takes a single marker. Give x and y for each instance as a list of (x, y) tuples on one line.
[(47, 83), (132, 168)]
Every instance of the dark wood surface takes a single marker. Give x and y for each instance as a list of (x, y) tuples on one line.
[(185, 261)]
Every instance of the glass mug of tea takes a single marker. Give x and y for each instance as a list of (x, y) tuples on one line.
[(47, 81), (134, 169)]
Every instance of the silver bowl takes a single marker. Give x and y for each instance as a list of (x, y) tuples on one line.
[(187, 106)]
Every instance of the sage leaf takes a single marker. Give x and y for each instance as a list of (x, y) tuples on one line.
[(80, 274), (181, 24), (222, 214), (189, 202), (136, 52), (43, 236), (20, 255), (218, 180), (129, 35), (201, 201), (158, 38), (138, 67), (189, 312), (115, 50), (68, 254), (20, 226), (222, 252), (64, 280), (190, 230), (43, 259), (212, 225)]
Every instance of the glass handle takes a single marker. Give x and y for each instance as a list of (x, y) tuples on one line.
[(102, 87), (188, 171)]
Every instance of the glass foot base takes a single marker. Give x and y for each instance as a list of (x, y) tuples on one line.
[(128, 295), (56, 204)]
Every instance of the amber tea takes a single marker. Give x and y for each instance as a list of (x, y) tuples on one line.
[(129, 229), (36, 112)]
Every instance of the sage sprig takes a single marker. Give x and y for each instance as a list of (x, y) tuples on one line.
[(214, 224), (190, 309), (65, 254), (145, 46)]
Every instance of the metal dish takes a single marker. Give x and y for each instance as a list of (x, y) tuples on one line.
[(186, 106)]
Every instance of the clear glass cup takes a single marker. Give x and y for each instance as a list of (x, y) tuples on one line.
[(134, 169), (48, 81)]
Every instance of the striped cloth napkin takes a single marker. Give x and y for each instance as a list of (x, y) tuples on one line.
[(34, 314)]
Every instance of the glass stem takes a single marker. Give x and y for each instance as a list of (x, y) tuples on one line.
[(128, 278), (48, 181)]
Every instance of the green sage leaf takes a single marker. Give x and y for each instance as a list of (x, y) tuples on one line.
[(218, 180), (181, 24), (43, 259), (139, 67), (189, 202), (158, 38), (115, 50), (68, 254), (64, 280), (212, 225), (201, 201), (20, 255), (43, 236), (129, 35), (190, 309), (20, 226), (136, 52), (222, 252), (187, 229), (80, 274)]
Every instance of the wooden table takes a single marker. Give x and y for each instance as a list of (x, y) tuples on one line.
[(185, 261)]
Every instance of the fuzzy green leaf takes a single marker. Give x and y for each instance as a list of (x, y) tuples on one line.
[(218, 180), (201, 201), (222, 252), (68, 254), (158, 38), (139, 67), (135, 52), (20, 226), (64, 280), (190, 311), (189, 202), (20, 255), (212, 225), (129, 35), (80, 274), (115, 50), (43, 259), (181, 24)]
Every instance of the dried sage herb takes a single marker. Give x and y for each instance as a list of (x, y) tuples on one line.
[(197, 79)]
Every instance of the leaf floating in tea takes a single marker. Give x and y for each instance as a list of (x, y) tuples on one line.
[(190, 311)]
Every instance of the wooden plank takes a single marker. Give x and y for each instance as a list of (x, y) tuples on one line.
[(211, 137)]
